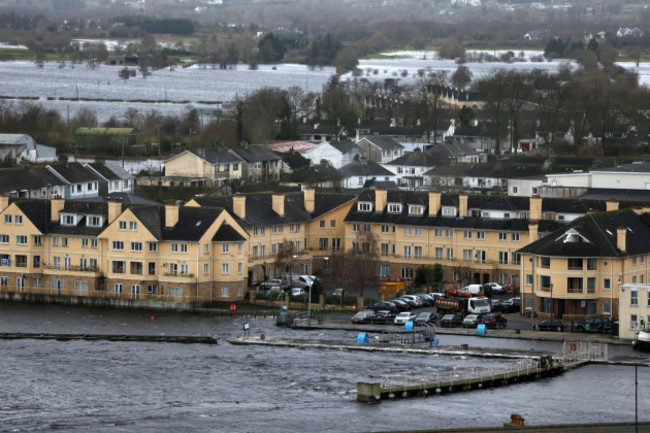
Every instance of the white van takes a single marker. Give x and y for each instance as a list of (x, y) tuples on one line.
[(473, 289)]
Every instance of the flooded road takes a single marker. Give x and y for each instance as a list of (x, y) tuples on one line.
[(150, 387)]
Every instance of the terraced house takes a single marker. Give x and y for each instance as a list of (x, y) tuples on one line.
[(166, 253)]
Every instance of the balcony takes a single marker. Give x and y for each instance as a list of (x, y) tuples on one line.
[(178, 274), (71, 268)]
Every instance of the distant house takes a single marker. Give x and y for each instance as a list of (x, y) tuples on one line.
[(31, 182), (321, 132), (320, 175), (410, 168), (260, 162), (80, 181), (629, 32), (204, 168), (360, 174), (12, 146), (381, 149), (338, 153), (123, 60), (118, 179)]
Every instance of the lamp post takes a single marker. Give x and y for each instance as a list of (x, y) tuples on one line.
[(551, 300)]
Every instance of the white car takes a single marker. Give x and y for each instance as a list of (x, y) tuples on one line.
[(404, 317), (271, 284), (496, 287)]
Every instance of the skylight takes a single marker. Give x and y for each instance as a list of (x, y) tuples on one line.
[(571, 236)]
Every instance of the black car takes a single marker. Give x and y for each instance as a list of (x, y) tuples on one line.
[(551, 325), (595, 324), (382, 316), (493, 320), (511, 305), (425, 317), (451, 320), (383, 306), (401, 304)]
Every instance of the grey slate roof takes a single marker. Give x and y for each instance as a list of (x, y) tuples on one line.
[(153, 218), (192, 223), (255, 153), (600, 231), (220, 156), (347, 146), (21, 178), (635, 167), (126, 198), (74, 172), (259, 211), (364, 168), (426, 158), (384, 143), (37, 211), (104, 171), (227, 233), (422, 198)]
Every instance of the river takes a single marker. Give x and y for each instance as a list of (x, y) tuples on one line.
[(151, 387)]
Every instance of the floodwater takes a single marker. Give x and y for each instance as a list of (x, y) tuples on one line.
[(174, 92), (151, 387)]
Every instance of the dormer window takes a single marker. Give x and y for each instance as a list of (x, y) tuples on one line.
[(364, 206), (449, 211), (572, 235), (394, 208), (68, 220), (93, 221), (416, 210)]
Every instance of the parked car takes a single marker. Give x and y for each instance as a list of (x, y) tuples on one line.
[(337, 292), (471, 321), (495, 305), (413, 300), (595, 324), (495, 287), (403, 317), (426, 317), (382, 316), (551, 325), (383, 306), (451, 320), (511, 305), (297, 291), (362, 316), (401, 304), (271, 284), (493, 320)]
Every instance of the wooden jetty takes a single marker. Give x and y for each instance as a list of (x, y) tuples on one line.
[(111, 337), (523, 371)]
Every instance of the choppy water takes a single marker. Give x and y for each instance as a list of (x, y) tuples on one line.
[(150, 387)]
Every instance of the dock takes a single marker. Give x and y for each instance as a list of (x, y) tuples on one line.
[(111, 337), (522, 371)]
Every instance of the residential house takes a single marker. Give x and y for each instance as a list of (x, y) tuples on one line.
[(362, 173), (31, 182), (155, 253), (12, 146), (380, 149), (205, 168), (627, 176), (337, 153), (321, 175), (393, 129), (310, 224), (410, 168), (118, 179), (321, 132), (579, 269), (623, 32), (260, 163), (633, 309), (80, 181)]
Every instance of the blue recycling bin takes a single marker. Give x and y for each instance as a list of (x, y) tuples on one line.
[(481, 329), (408, 325), (362, 338)]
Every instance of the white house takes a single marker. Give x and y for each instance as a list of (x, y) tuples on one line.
[(628, 176), (358, 173), (338, 153)]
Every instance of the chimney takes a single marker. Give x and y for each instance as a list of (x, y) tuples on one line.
[(612, 204), (239, 205), (533, 231), (381, 197), (535, 208), (621, 238), (114, 210), (434, 202), (171, 214), (56, 206), (4, 202), (309, 197), (278, 203), (462, 205)]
